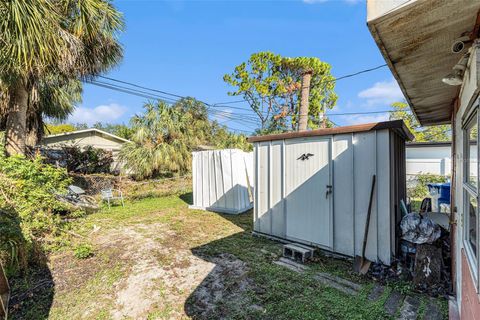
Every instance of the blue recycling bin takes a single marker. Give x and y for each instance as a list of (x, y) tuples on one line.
[(441, 189)]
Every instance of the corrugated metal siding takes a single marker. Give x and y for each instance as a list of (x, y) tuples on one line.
[(355, 157), (220, 180), (343, 199)]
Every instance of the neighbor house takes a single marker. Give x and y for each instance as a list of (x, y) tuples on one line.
[(89, 137), (432, 49)]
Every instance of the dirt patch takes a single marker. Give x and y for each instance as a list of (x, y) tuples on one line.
[(227, 282), (160, 276)]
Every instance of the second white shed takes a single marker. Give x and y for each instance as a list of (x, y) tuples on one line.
[(313, 187), (221, 180)]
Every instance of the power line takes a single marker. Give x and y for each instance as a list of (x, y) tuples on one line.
[(332, 80), (359, 72), (228, 102), (365, 112), (228, 115), (114, 87), (142, 87)]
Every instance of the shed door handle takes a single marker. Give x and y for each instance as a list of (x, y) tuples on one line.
[(329, 190)]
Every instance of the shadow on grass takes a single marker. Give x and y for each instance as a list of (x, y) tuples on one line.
[(187, 198), (32, 288), (227, 291), (245, 283)]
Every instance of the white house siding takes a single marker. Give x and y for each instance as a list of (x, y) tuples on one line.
[(355, 158), (468, 95), (84, 138)]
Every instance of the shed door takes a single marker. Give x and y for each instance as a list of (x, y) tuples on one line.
[(307, 186)]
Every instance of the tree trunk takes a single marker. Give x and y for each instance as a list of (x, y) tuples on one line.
[(31, 139), (16, 120), (34, 130), (303, 114)]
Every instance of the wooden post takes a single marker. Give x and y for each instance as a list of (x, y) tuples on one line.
[(303, 114)]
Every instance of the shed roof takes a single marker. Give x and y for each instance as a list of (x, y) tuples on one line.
[(72, 134), (415, 38), (396, 125)]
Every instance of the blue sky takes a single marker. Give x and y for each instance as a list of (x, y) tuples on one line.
[(185, 47)]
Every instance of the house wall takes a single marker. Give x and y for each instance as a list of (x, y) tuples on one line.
[(465, 287), (429, 159), (83, 139), (355, 158)]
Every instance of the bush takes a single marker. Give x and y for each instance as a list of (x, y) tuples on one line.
[(83, 251), (88, 160), (27, 207), (419, 190)]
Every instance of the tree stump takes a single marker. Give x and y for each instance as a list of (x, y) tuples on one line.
[(428, 266)]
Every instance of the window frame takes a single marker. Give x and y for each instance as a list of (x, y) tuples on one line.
[(473, 191)]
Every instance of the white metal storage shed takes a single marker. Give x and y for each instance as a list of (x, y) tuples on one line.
[(222, 180), (313, 187)]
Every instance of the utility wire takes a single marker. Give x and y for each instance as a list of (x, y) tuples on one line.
[(229, 102), (364, 112), (229, 115), (217, 113), (333, 80)]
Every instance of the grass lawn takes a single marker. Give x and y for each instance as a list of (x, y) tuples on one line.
[(156, 259)]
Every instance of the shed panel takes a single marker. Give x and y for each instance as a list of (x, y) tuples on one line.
[(343, 195), (264, 223), (220, 180), (383, 196), (277, 191), (365, 148)]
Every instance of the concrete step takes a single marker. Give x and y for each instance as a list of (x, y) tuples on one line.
[(432, 311), (376, 292), (290, 264), (409, 309), (393, 302), (338, 283)]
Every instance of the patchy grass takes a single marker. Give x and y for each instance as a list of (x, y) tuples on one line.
[(156, 259)]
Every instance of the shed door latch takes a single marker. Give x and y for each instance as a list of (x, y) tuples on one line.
[(329, 190)]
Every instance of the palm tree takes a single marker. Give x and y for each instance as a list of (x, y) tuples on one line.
[(39, 39), (54, 98), (163, 140)]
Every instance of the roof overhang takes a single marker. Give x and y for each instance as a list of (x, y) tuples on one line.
[(415, 38)]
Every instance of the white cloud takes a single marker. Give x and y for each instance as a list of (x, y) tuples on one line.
[(382, 93), (102, 113), (359, 119)]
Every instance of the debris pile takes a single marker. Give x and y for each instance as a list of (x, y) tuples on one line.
[(424, 257)]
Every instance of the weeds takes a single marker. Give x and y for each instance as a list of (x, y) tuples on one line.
[(83, 251)]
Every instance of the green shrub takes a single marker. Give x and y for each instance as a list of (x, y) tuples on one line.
[(87, 160), (27, 207), (419, 188), (83, 251)]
